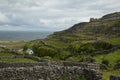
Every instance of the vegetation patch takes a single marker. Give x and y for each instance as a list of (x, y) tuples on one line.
[(6, 54), (115, 41), (112, 58), (17, 60), (106, 74), (88, 48)]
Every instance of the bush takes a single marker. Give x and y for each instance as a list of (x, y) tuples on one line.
[(101, 45), (65, 77), (118, 61), (42, 51), (74, 47), (25, 48), (63, 55), (106, 62), (82, 48)]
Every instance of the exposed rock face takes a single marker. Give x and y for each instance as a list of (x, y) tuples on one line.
[(103, 67), (48, 71), (117, 66), (114, 77), (92, 75)]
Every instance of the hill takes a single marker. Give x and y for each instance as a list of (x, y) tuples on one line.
[(82, 40), (106, 27)]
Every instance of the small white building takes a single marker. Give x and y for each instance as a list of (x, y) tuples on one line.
[(29, 51)]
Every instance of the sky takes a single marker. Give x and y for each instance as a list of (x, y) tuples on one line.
[(51, 15)]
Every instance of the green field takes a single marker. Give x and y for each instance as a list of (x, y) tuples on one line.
[(13, 44), (17, 60), (6, 54)]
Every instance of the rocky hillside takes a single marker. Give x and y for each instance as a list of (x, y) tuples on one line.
[(98, 36), (105, 27)]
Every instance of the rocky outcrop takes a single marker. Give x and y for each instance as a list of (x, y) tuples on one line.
[(117, 66), (103, 67), (92, 75), (49, 71), (114, 77)]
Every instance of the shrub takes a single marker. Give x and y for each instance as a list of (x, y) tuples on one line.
[(42, 51), (82, 48), (77, 77), (82, 78), (118, 61), (87, 48), (101, 45), (65, 77), (74, 47), (25, 48), (106, 62)]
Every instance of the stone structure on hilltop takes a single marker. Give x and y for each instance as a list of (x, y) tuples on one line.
[(93, 19)]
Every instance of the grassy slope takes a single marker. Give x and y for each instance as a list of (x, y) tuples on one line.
[(58, 44), (6, 54), (112, 57), (17, 60), (106, 74), (13, 45), (14, 59), (115, 40)]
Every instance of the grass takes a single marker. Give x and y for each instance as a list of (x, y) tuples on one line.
[(13, 44), (59, 44), (112, 57), (75, 58), (115, 40), (106, 74), (6, 54), (17, 60)]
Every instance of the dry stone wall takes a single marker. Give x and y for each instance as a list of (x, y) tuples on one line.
[(48, 71)]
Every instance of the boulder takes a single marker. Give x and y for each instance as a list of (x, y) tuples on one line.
[(117, 66)]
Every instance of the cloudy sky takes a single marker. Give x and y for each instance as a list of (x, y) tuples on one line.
[(54, 15)]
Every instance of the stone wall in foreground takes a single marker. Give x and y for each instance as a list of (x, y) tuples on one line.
[(49, 71), (114, 77)]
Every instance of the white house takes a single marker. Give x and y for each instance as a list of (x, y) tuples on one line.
[(29, 51)]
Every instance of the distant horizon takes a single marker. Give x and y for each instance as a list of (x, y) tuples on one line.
[(27, 31), (22, 35)]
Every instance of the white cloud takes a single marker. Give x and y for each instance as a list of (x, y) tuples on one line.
[(3, 18), (51, 14)]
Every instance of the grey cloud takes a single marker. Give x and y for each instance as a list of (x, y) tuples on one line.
[(51, 14)]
